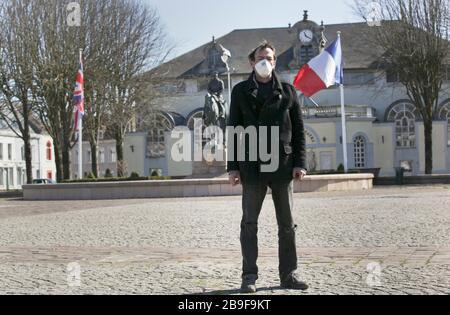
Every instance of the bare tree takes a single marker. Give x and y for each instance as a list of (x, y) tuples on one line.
[(139, 43), (98, 50), (55, 63), (16, 72), (414, 37), (120, 38)]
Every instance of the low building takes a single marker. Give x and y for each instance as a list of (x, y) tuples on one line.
[(12, 158), (106, 158)]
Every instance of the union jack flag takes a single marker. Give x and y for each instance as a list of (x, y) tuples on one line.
[(78, 95)]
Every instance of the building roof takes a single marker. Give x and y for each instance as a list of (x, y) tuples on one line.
[(358, 53), (35, 123)]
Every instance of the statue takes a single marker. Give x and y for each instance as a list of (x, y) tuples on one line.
[(216, 85), (311, 160), (214, 112)]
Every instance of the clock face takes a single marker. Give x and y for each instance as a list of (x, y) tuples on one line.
[(306, 36)]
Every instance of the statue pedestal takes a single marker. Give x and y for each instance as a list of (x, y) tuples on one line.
[(214, 165)]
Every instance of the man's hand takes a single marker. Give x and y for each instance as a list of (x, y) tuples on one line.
[(299, 174), (235, 178)]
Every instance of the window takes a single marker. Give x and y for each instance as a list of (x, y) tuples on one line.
[(11, 176), (19, 176), (10, 152), (359, 78), (113, 156), (158, 125), (404, 116), (101, 156), (89, 156), (22, 153), (213, 58), (2, 179), (306, 54), (49, 151), (1, 151), (444, 114), (359, 145)]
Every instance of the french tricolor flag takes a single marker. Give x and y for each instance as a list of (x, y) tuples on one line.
[(322, 71), (78, 95)]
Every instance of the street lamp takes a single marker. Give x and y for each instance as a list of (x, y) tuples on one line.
[(226, 55)]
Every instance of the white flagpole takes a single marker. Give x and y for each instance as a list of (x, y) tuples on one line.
[(80, 146), (343, 119), (344, 129), (80, 136)]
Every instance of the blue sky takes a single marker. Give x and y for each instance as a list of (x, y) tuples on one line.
[(191, 23)]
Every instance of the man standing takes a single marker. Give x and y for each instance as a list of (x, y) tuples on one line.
[(263, 100)]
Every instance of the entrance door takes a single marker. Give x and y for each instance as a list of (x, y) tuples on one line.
[(326, 161)]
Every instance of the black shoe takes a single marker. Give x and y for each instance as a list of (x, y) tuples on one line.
[(249, 284), (293, 283)]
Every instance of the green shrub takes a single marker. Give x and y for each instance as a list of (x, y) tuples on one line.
[(134, 175), (108, 173), (155, 174)]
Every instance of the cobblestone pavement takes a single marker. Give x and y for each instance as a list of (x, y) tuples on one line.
[(388, 240)]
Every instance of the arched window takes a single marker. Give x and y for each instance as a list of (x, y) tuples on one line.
[(444, 114), (359, 151), (404, 116), (196, 115), (49, 151), (310, 139), (157, 124), (213, 58)]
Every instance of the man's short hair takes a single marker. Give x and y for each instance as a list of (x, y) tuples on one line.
[(264, 45)]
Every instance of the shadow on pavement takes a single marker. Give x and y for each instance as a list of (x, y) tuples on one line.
[(237, 291)]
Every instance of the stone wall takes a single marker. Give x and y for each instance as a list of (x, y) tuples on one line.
[(182, 188)]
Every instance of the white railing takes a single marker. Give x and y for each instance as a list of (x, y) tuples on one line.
[(335, 111)]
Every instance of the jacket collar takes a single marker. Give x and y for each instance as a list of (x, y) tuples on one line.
[(252, 84)]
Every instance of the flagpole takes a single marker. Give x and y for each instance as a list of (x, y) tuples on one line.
[(343, 121), (80, 136)]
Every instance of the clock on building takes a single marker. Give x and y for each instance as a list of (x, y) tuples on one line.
[(306, 36)]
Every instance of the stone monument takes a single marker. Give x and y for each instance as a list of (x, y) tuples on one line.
[(214, 114)]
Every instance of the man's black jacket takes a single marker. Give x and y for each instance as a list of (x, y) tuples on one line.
[(282, 109)]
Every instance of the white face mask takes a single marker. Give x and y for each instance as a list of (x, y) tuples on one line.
[(264, 68)]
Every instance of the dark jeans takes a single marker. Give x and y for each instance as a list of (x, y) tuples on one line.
[(253, 197)]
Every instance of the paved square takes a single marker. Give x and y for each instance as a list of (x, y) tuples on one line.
[(391, 240)]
